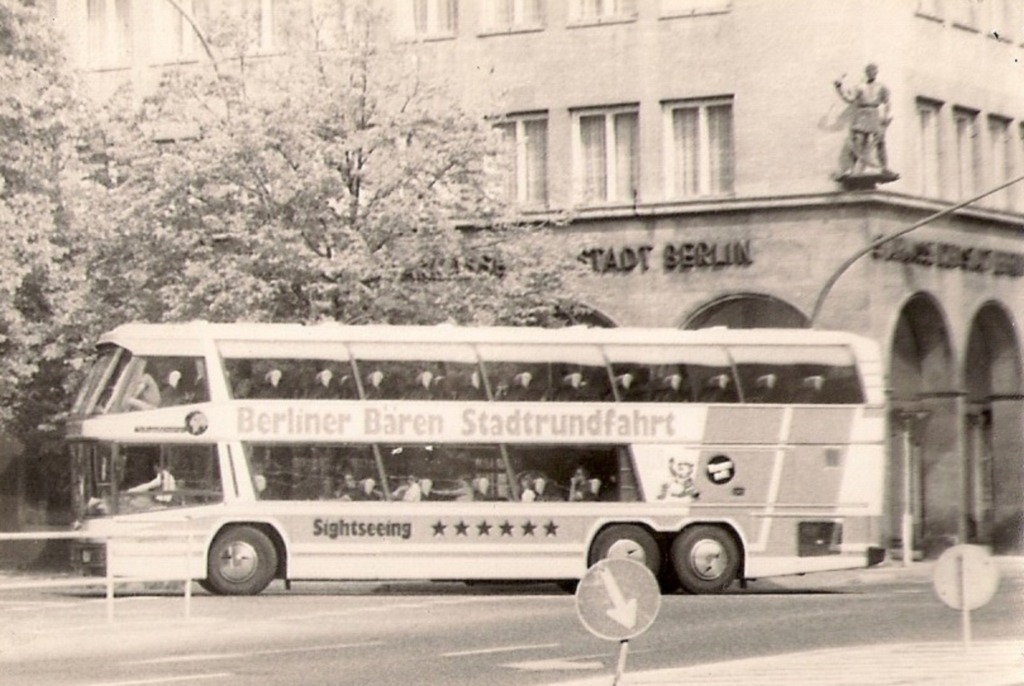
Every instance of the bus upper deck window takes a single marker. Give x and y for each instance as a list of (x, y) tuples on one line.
[(797, 374), (145, 383)]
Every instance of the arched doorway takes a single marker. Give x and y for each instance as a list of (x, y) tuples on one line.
[(748, 311), (924, 476), (993, 485)]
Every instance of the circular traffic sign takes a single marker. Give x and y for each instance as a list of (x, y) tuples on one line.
[(965, 577), (618, 599)]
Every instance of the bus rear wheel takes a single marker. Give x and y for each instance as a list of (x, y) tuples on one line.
[(706, 559), (242, 561), (627, 541)]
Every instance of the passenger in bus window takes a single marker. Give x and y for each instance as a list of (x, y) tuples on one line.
[(240, 375), (578, 484), (573, 387), (461, 492), (718, 389), (322, 385), (199, 390), (482, 489), (425, 386), (145, 395), (172, 393), (624, 385), (271, 387), (810, 389), (546, 492), (374, 387), (163, 483), (409, 492), (470, 387), (765, 389), (527, 492), (522, 388), (348, 489), (671, 389), (367, 490)]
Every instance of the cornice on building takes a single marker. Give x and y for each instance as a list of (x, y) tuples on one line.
[(1009, 220)]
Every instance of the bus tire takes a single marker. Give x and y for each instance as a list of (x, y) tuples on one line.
[(706, 559), (627, 541), (242, 561)]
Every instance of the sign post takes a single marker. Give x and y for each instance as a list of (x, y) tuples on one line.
[(965, 579), (618, 599)]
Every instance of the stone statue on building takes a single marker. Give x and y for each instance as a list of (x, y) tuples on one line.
[(864, 161)]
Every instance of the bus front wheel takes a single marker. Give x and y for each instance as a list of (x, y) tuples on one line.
[(242, 561), (706, 559), (627, 541)]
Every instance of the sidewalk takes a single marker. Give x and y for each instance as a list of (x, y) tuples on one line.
[(950, 663), (907, 664)]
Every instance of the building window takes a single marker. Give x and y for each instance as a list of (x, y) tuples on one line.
[(109, 30), (250, 26), (606, 155), (512, 15), (427, 18), (967, 152), (687, 8), (929, 148), (593, 11), (527, 137), (701, 157), (330, 22), (1001, 158), (173, 34)]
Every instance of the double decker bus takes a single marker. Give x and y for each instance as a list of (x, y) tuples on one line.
[(333, 452)]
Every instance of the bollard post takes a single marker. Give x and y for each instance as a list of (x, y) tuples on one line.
[(188, 569), (109, 571)]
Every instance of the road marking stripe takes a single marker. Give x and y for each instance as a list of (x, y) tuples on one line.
[(164, 680), (252, 653), (500, 649)]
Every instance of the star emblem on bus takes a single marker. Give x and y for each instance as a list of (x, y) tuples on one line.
[(551, 528), (528, 528), (461, 528), (439, 528), (483, 529), (506, 528)]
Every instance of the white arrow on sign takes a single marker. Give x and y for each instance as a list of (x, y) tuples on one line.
[(623, 611)]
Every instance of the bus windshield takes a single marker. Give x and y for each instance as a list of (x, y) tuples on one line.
[(121, 382), (124, 479)]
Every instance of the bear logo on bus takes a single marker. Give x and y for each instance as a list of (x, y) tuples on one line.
[(681, 484)]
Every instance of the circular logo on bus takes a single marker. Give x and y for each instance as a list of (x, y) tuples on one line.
[(721, 469), (196, 423)]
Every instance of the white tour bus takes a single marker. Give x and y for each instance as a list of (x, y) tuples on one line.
[(244, 453)]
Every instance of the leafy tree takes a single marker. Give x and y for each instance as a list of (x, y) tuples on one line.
[(38, 274), (343, 184)]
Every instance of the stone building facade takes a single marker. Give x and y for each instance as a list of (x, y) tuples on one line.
[(695, 144)]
